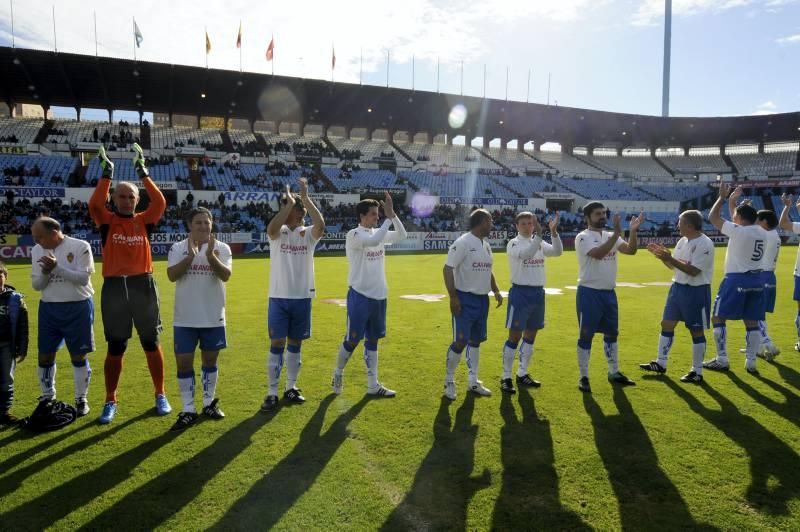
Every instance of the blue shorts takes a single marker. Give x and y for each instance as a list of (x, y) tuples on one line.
[(597, 311), (71, 322), (470, 325), (770, 290), (740, 297), (525, 309), (365, 317), (289, 318), (796, 296), (689, 304), (210, 338)]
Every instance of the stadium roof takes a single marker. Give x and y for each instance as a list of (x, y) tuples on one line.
[(70, 80)]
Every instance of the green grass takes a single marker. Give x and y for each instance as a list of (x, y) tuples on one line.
[(661, 455)]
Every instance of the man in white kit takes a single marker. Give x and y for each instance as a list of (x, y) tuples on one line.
[(62, 268), (689, 298), (525, 314), (741, 292), (199, 266), (787, 225), (291, 289), (468, 278), (366, 298), (596, 300)]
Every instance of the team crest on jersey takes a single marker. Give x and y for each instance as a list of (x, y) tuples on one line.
[(70, 258)]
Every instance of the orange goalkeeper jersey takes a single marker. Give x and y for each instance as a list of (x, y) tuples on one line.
[(126, 239)]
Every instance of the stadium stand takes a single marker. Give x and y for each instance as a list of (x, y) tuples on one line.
[(177, 171), (568, 165), (19, 130), (515, 159), (173, 137), (754, 165), (628, 165), (346, 180), (675, 192), (363, 150), (36, 171), (604, 189), (455, 157), (120, 135), (694, 163), (457, 185)]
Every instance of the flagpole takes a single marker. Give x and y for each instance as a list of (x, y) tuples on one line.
[(462, 77), (528, 95), (413, 71), (388, 53), (484, 80), (55, 40), (437, 74), (12, 24), (240, 45), (361, 66), (205, 28), (133, 19), (548, 88), (507, 69)]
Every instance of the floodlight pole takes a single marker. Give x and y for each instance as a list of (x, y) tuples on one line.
[(667, 53)]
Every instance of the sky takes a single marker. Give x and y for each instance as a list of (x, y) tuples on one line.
[(729, 57)]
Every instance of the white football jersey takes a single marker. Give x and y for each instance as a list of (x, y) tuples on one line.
[(771, 250), (291, 263), (796, 230), (526, 258), (593, 273), (72, 255), (366, 251), (698, 252), (199, 293), (747, 247), (471, 260)]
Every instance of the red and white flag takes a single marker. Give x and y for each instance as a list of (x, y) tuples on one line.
[(271, 49)]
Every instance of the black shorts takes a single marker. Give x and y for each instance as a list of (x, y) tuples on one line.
[(129, 301)]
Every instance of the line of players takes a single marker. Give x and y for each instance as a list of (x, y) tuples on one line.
[(200, 266)]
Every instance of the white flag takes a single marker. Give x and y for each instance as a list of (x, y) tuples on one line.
[(137, 34)]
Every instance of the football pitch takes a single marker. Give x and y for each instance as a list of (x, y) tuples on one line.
[(660, 455)]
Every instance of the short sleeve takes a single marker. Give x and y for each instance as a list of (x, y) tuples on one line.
[(86, 260), (728, 228), (703, 257), (225, 256), (583, 245), (620, 241), (175, 254), (310, 240), (795, 227), (456, 253)]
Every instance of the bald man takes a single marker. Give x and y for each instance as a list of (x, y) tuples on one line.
[(129, 296), (62, 271)]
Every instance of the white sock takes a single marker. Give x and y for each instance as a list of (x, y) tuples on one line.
[(292, 368), (371, 361), (753, 346), (721, 341), (611, 350), (509, 352), (342, 358), (664, 345), (47, 381), (698, 354), (81, 375), (583, 361), (473, 358), (210, 376), (525, 358), (453, 359), (765, 339), (274, 366), (186, 387)]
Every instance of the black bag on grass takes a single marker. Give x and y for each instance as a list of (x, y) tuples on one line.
[(50, 415)]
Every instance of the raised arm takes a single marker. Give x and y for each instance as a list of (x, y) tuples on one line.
[(317, 221), (388, 209), (97, 202), (287, 204), (786, 222), (556, 247), (733, 200), (605, 248), (671, 262), (632, 245), (363, 241), (714, 215)]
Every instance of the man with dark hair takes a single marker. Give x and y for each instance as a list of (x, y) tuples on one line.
[(689, 298), (366, 299), (526, 303), (596, 300), (741, 292), (291, 289), (199, 266), (468, 278), (129, 296), (13, 343), (62, 269)]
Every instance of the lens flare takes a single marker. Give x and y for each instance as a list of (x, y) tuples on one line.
[(457, 116)]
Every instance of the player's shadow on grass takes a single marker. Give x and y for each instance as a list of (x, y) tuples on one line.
[(790, 375), (443, 485), (171, 491), (49, 507), (46, 442), (789, 410), (11, 482), (769, 455), (529, 496), (275, 493), (645, 494)]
